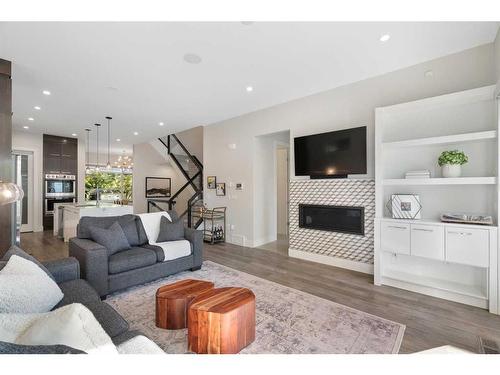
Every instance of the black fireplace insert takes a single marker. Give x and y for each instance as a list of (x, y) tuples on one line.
[(345, 219)]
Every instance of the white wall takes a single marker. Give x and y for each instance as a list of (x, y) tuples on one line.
[(24, 141), (343, 107), (192, 139), (149, 163), (497, 58)]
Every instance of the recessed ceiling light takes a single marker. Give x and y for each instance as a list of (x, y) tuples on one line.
[(192, 58), (429, 73), (118, 139), (26, 127), (37, 108), (136, 133), (46, 92), (31, 119), (74, 135), (385, 37), (249, 88), (161, 123)]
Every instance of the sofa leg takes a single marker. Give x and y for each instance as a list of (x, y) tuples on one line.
[(103, 298), (196, 268)]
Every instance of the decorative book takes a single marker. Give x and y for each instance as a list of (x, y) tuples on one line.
[(467, 219)]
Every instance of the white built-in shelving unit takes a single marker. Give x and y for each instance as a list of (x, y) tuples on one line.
[(458, 262)]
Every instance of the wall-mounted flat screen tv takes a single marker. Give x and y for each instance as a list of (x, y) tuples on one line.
[(331, 155)]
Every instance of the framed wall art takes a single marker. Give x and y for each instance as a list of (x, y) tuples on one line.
[(211, 182), (221, 189), (158, 187)]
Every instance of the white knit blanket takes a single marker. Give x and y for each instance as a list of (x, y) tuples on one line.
[(171, 249)]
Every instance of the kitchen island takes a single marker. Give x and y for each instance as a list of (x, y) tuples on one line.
[(73, 212)]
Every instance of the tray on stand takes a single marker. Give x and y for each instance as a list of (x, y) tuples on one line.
[(215, 225)]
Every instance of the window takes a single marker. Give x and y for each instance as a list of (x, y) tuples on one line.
[(113, 185)]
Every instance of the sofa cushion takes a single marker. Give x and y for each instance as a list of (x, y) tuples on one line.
[(11, 348), (14, 250), (25, 288), (77, 291), (136, 257), (112, 322), (160, 255), (170, 230), (113, 238), (175, 249)]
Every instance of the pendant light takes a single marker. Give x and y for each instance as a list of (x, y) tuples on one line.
[(10, 193), (88, 149), (97, 146), (108, 165)]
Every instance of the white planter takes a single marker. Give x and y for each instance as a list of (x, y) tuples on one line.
[(451, 170)]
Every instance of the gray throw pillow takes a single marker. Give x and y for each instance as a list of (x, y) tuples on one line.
[(170, 231), (113, 238), (14, 250)]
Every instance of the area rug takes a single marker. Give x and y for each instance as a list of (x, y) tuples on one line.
[(288, 321)]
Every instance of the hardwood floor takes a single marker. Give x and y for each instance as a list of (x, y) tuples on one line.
[(430, 322)]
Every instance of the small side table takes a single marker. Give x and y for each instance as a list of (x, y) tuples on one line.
[(172, 302)]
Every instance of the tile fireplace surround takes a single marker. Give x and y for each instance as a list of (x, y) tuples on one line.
[(343, 249)]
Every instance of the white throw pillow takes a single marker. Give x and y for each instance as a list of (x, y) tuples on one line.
[(26, 288), (72, 325), (139, 345)]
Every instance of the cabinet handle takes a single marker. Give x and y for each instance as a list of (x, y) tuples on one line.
[(460, 233), (423, 230), (54, 155), (396, 227)]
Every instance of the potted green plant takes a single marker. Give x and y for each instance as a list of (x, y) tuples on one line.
[(451, 162)]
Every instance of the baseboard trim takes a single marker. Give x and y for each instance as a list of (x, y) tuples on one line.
[(331, 261), (263, 240)]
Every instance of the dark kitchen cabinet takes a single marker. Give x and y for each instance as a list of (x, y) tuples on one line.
[(60, 155)]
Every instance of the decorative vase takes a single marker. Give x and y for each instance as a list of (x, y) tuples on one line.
[(451, 170)]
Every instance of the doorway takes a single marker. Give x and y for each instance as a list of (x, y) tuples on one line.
[(23, 176), (271, 174)]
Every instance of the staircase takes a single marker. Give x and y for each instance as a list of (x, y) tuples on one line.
[(192, 169)]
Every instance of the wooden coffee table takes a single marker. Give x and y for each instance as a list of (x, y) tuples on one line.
[(221, 321), (173, 300)]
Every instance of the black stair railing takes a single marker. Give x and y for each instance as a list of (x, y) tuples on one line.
[(194, 177)]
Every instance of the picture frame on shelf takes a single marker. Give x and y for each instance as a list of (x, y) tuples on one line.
[(221, 189), (404, 206), (211, 182), (158, 187)]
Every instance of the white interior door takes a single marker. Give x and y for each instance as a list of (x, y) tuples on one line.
[(24, 178)]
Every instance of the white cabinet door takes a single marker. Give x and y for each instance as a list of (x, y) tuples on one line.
[(395, 237), (427, 241), (467, 246)]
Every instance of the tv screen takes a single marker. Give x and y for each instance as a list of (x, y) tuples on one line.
[(333, 154)]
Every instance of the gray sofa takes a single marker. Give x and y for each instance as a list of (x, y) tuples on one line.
[(139, 264), (66, 273)]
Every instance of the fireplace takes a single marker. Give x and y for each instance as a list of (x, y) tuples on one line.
[(345, 219)]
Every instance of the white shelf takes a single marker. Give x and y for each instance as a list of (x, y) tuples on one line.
[(439, 181), (438, 222), (443, 140), (445, 285)]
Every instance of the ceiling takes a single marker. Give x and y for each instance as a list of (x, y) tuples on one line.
[(136, 73)]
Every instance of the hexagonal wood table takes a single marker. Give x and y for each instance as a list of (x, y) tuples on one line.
[(172, 302), (221, 321)]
